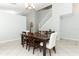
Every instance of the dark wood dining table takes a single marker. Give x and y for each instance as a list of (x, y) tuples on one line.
[(40, 38)]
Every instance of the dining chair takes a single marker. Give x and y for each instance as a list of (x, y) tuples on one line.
[(52, 43), (23, 39), (26, 38), (30, 40), (36, 41)]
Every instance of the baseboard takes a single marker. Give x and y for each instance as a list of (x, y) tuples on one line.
[(5, 41), (69, 39)]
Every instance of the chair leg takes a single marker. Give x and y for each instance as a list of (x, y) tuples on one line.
[(50, 52), (23, 45), (54, 49), (40, 48), (33, 50), (29, 48), (26, 45)]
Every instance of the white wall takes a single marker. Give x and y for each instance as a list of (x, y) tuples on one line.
[(70, 27), (11, 26), (65, 8)]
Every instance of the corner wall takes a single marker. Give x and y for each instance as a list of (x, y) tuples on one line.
[(70, 27)]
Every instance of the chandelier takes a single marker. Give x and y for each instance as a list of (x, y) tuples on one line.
[(29, 6)]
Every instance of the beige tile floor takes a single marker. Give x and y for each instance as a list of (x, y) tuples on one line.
[(63, 48)]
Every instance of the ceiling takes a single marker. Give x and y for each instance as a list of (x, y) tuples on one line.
[(19, 8)]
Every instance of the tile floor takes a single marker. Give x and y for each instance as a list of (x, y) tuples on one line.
[(63, 48)]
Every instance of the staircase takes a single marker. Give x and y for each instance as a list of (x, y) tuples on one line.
[(44, 20), (44, 25), (53, 21)]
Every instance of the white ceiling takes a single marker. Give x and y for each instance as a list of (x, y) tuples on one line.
[(19, 8)]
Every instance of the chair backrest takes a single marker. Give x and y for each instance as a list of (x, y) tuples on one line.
[(52, 41), (27, 32), (30, 36), (24, 33)]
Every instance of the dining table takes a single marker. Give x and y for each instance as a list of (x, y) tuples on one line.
[(41, 38)]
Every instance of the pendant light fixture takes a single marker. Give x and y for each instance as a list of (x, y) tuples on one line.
[(29, 6)]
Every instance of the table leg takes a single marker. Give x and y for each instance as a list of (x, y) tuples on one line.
[(44, 48)]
